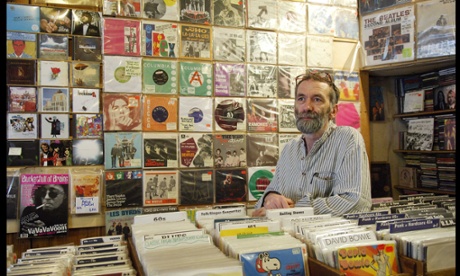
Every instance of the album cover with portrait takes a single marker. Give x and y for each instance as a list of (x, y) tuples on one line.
[(262, 115), (196, 186), (22, 153), (229, 44), (60, 152), (86, 190), (286, 80), (319, 51), (131, 8), (286, 118), (262, 14), (22, 126), (196, 150), (88, 125), (292, 17), (196, 78), (159, 113), (86, 74), (195, 11), (87, 48), (231, 185), (229, 13), (261, 46), (160, 150), (160, 187), (122, 74), (195, 114), (229, 114), (123, 188), (22, 99), (229, 150), (258, 180), (160, 39), (118, 219), (54, 125), (160, 9), (229, 79), (159, 76), (122, 37), (86, 23), (86, 100), (88, 152), (293, 52), (53, 99), (262, 80), (263, 149), (123, 150), (195, 41), (22, 18), (55, 20), (21, 45), (121, 111), (21, 71), (53, 47), (53, 73)]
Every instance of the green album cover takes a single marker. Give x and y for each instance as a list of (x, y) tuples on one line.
[(159, 77), (196, 79)]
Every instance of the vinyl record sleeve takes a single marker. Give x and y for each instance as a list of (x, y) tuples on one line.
[(22, 126), (121, 111), (319, 51), (262, 80), (229, 44), (262, 115), (287, 121), (159, 113), (262, 149), (55, 20), (12, 194), (286, 80), (286, 261), (53, 47), (87, 48), (292, 17), (53, 73), (95, 22), (61, 152), (258, 180), (292, 49), (22, 99), (123, 188), (229, 79), (123, 217), (88, 125), (123, 150), (21, 71), (348, 84), (53, 125), (122, 74), (160, 150), (86, 100), (22, 153), (348, 114), (261, 46), (88, 152), (346, 23), (196, 150), (196, 78), (86, 190), (195, 12), (160, 187), (121, 37), (160, 39), (229, 114), (231, 185), (229, 150), (159, 76), (320, 19), (53, 99), (229, 13), (195, 41), (22, 18), (86, 74), (196, 187), (195, 114), (117, 8), (262, 14), (160, 9), (30, 44)]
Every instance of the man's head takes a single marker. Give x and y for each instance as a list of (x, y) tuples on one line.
[(51, 196), (451, 97), (45, 147), (316, 101), (86, 17), (18, 46)]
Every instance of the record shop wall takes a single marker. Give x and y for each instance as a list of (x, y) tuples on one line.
[(344, 57)]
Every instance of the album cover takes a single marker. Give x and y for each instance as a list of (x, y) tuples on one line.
[(160, 150), (196, 187), (123, 188), (408, 177), (231, 185), (88, 125), (262, 149), (53, 125), (21, 71), (196, 78), (59, 153), (116, 8), (286, 80), (21, 45), (195, 114), (290, 260), (348, 84), (262, 115), (420, 134), (122, 37), (86, 23), (22, 126), (450, 131), (195, 41), (86, 190), (229, 150), (88, 152), (122, 74), (159, 113), (160, 188), (293, 52), (319, 51), (22, 99), (261, 46), (229, 13), (121, 111), (123, 150), (86, 100), (286, 117), (53, 73), (292, 17), (85, 74), (22, 18), (195, 11), (159, 76), (346, 23), (349, 114), (196, 150), (229, 79), (160, 39), (320, 19), (258, 180), (55, 20), (229, 114), (22, 153), (285, 138), (262, 80), (229, 44), (12, 193), (262, 14), (87, 48), (53, 99), (37, 217), (119, 221), (160, 9), (53, 47), (445, 97)]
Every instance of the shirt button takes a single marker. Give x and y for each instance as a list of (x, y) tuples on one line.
[(304, 174)]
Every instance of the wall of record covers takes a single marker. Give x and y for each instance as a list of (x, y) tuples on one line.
[(164, 103)]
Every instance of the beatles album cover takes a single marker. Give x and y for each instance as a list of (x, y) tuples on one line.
[(262, 149), (86, 100), (22, 99), (123, 188), (263, 14), (87, 48), (53, 125), (195, 41), (196, 150), (160, 9), (60, 152), (160, 39), (195, 114), (286, 118), (262, 115), (261, 46), (286, 80), (21, 71), (121, 37), (55, 20), (258, 180), (262, 80), (229, 114), (229, 44), (123, 150), (22, 153), (229, 150), (292, 17), (22, 18), (53, 99), (21, 45), (195, 11), (22, 126), (86, 73), (229, 79), (53, 73), (196, 186), (160, 150), (86, 23), (88, 125), (160, 188), (88, 152), (53, 47), (131, 8), (121, 111), (159, 76), (122, 74), (229, 13), (159, 113), (231, 185), (196, 78)]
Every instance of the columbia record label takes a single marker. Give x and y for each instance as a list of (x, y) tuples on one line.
[(228, 114), (160, 77), (196, 114), (120, 75), (160, 114)]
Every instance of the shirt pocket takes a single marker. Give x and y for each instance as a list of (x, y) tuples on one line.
[(322, 184)]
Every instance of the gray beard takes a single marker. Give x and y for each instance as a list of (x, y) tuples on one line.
[(310, 126)]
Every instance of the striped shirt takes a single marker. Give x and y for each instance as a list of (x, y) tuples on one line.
[(334, 177)]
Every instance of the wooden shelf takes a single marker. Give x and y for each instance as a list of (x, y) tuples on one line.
[(425, 113), (424, 190), (425, 151)]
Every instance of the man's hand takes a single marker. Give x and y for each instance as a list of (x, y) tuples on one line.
[(276, 201)]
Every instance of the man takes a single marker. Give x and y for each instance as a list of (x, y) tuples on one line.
[(19, 46), (86, 27), (46, 156), (327, 166), (451, 99)]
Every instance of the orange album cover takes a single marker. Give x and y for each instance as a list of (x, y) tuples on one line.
[(160, 113)]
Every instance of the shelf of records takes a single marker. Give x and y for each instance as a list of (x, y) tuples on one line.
[(407, 236)]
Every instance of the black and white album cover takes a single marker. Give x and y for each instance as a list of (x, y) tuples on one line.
[(262, 80)]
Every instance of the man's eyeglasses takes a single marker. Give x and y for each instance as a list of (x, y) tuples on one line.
[(316, 75), (52, 193)]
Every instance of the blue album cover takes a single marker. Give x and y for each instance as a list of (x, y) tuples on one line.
[(123, 150), (274, 262), (22, 18)]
